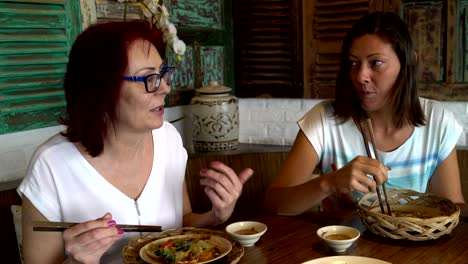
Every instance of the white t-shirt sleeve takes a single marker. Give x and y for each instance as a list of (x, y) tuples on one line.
[(445, 127), (40, 183), (313, 124)]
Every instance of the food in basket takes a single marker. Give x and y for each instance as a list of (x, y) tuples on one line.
[(186, 249), (412, 213), (415, 216)]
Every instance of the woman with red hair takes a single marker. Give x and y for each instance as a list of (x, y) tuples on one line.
[(118, 161)]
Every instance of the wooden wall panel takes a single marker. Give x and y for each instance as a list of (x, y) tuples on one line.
[(430, 44), (206, 14), (451, 42), (439, 34), (462, 42), (212, 64), (185, 69), (8, 241), (265, 164), (109, 10), (462, 156)]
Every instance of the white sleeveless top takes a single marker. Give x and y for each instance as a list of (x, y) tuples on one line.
[(63, 186), (412, 164)]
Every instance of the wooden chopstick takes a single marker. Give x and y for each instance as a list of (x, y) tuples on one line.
[(376, 153), (363, 125), (61, 226)]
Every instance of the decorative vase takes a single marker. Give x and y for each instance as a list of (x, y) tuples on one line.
[(215, 118)]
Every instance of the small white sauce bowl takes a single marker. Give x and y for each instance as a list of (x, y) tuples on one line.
[(246, 240), (338, 237)]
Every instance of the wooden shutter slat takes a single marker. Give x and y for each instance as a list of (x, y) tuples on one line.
[(30, 70), (12, 9), (268, 67), (32, 36), (14, 47), (52, 2), (32, 21), (28, 106), (340, 4), (30, 82), (268, 82), (28, 96)]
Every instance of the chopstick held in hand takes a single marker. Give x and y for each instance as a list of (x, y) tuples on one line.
[(366, 124), (376, 154), (61, 226)]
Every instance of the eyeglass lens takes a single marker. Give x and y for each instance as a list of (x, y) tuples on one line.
[(153, 81)]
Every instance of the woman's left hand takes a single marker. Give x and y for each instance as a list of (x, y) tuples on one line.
[(223, 186)]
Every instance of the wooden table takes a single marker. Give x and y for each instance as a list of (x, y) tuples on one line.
[(293, 239)]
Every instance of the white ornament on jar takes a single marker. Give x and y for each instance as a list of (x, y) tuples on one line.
[(215, 118)]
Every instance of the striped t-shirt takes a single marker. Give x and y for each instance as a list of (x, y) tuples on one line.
[(412, 164)]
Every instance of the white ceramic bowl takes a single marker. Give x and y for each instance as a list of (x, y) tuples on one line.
[(247, 233), (338, 237)]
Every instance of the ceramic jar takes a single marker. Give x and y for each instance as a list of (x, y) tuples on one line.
[(215, 118)]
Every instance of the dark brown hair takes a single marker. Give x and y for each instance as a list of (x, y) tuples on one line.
[(404, 98), (97, 62)]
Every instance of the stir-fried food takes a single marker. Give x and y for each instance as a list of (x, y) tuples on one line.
[(416, 214), (184, 250)]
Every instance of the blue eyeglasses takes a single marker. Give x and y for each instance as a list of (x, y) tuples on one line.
[(153, 81)]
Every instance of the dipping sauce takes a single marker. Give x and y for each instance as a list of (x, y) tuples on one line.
[(338, 237), (249, 231)]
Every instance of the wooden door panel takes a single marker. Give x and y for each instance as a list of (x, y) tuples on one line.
[(212, 64), (426, 24)]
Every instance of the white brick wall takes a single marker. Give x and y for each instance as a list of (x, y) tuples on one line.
[(271, 121), (262, 121)]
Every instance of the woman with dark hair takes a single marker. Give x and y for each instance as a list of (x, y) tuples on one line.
[(118, 162), (415, 137)]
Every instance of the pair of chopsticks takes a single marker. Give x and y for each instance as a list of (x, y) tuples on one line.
[(366, 125), (61, 226)]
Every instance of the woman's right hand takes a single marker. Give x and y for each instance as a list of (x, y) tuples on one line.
[(354, 176), (88, 241)]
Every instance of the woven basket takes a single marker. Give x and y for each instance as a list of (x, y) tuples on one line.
[(131, 252), (431, 216)]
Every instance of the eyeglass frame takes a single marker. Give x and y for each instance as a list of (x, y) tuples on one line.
[(164, 69)]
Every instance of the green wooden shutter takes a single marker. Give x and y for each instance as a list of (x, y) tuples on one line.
[(35, 38)]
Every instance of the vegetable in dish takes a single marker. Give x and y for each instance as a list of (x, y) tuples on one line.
[(184, 251)]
